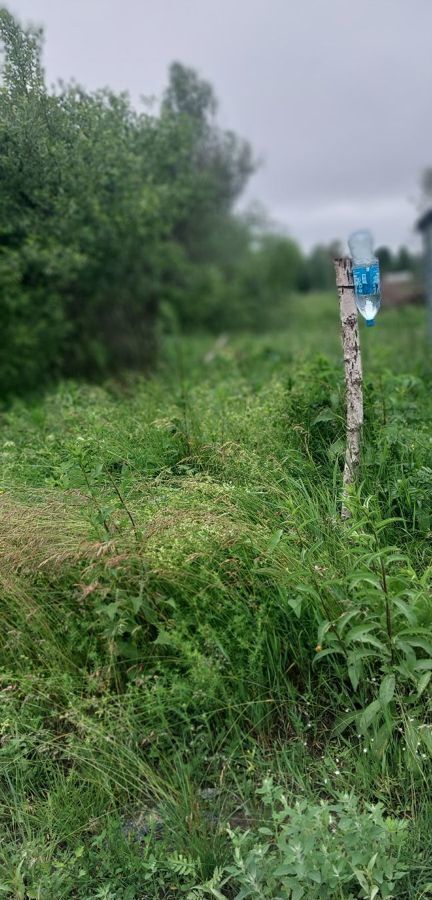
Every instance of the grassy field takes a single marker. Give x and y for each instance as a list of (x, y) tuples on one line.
[(210, 686)]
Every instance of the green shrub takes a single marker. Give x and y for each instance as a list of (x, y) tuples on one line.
[(325, 850)]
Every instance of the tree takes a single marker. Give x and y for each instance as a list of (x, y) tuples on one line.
[(82, 191), (103, 212), (385, 258), (426, 185), (108, 213), (404, 260), (319, 269), (220, 163)]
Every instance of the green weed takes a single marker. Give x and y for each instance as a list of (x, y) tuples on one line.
[(183, 614)]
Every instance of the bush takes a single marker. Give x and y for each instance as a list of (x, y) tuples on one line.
[(325, 850), (105, 212)]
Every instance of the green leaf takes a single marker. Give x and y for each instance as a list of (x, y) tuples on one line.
[(361, 879), (283, 869), (322, 630), (354, 675), (128, 651), (412, 736), (385, 522), (296, 604), (369, 714), (423, 682), (112, 610), (366, 579), (361, 653), (327, 652), (395, 557), (274, 540), (371, 863), (336, 448), (357, 633), (387, 689), (373, 641), (423, 664), (382, 738), (345, 618), (426, 737), (215, 893), (165, 638), (405, 610), (325, 415)]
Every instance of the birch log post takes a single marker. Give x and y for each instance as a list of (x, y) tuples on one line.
[(353, 375)]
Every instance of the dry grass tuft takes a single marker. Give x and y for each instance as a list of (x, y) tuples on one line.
[(51, 530), (46, 528)]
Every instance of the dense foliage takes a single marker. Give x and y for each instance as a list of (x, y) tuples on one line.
[(102, 209), (117, 224), (113, 221), (210, 685), (183, 613), (85, 185)]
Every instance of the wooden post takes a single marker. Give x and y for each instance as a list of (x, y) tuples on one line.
[(353, 375)]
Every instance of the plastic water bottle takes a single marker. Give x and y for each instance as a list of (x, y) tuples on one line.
[(366, 275)]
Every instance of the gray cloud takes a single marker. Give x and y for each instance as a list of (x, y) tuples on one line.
[(333, 95)]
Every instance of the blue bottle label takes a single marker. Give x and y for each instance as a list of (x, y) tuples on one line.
[(366, 279)]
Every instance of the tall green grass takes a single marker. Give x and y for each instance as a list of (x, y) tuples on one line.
[(171, 558)]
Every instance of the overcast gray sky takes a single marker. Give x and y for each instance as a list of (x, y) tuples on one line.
[(334, 95)]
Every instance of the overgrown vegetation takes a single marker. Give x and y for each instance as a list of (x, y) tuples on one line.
[(211, 687), (104, 213), (118, 225)]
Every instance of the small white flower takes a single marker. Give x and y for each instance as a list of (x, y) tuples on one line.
[(337, 772)]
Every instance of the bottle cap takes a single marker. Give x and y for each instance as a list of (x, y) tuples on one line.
[(370, 322)]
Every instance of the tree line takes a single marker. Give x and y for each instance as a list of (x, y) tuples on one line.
[(118, 223)]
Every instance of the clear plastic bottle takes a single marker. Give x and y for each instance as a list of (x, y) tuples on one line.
[(366, 275)]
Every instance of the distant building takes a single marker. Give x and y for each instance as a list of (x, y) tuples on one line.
[(398, 277), (400, 288), (424, 225)]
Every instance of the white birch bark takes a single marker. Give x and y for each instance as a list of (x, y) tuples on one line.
[(353, 375)]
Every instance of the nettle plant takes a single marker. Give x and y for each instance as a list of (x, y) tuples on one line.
[(382, 640), (101, 482), (324, 850)]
